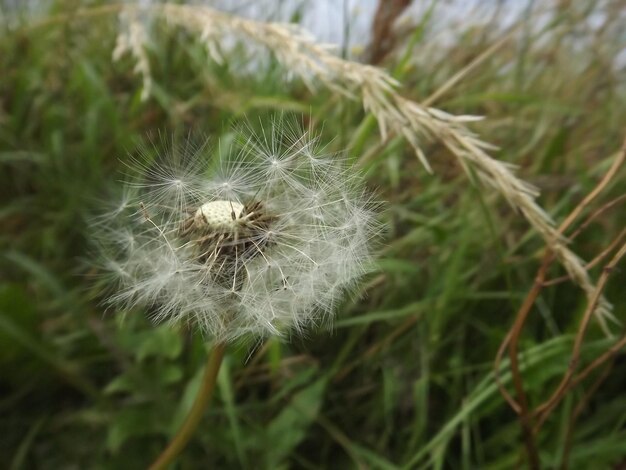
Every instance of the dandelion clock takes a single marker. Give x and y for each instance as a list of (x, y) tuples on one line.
[(262, 240)]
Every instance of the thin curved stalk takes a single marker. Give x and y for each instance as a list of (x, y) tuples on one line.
[(182, 437)]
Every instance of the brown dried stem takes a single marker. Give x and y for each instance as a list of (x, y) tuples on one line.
[(511, 340), (594, 262), (543, 411)]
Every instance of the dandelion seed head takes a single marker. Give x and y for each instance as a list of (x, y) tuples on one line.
[(259, 240)]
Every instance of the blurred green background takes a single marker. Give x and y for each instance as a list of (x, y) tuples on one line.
[(404, 377)]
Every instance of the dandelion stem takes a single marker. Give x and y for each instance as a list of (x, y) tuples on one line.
[(182, 437)]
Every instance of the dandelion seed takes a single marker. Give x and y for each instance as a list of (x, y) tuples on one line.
[(261, 242)]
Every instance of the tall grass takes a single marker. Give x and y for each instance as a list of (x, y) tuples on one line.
[(405, 377)]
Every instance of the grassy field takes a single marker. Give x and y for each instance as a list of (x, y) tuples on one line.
[(404, 376)]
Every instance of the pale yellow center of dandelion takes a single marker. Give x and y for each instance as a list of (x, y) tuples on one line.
[(219, 215)]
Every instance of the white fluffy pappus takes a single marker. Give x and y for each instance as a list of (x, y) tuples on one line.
[(261, 240)]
